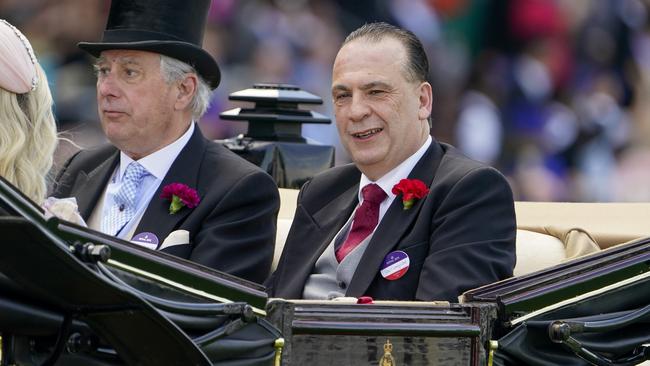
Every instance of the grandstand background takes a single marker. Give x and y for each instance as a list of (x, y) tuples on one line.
[(554, 93)]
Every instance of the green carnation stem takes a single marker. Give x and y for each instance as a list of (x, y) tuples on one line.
[(176, 205), (408, 203)]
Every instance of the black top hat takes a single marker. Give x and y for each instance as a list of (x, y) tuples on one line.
[(170, 27)]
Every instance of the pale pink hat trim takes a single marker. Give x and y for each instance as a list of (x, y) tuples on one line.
[(17, 60)]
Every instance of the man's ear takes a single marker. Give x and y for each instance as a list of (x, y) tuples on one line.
[(186, 89), (426, 100)]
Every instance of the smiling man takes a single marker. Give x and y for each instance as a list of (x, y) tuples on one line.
[(412, 218), (153, 82)]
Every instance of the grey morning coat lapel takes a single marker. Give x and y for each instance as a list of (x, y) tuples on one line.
[(89, 186), (393, 225), (185, 169)]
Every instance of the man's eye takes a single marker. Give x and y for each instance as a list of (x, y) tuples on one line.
[(376, 92), (131, 72), (341, 96), (102, 71)]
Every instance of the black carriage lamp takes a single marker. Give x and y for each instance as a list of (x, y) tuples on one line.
[(275, 116), (274, 141)]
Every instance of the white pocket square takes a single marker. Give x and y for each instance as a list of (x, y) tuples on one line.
[(177, 237)]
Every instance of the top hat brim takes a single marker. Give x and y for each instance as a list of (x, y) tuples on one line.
[(195, 56)]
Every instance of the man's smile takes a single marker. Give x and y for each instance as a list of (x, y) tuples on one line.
[(364, 135)]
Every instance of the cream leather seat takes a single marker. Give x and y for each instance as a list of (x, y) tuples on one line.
[(607, 223), (288, 200)]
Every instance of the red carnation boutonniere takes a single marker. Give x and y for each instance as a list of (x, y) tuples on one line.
[(181, 195), (411, 190)]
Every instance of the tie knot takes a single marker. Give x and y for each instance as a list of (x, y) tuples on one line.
[(373, 193), (134, 173), (130, 183)]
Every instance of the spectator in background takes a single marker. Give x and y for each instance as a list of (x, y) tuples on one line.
[(27, 127)]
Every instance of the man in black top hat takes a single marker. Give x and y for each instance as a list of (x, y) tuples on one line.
[(161, 184)]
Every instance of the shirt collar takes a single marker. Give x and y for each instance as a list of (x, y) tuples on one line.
[(402, 171), (159, 162)]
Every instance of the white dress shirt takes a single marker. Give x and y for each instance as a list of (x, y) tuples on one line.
[(388, 180)]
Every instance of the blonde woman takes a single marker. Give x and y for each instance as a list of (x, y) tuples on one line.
[(27, 127)]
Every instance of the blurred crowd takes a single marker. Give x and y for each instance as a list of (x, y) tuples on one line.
[(554, 93)]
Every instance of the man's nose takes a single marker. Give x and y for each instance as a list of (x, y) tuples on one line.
[(359, 108), (107, 87)]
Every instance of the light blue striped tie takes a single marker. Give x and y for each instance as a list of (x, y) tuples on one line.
[(123, 208)]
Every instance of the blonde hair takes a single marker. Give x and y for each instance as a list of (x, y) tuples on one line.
[(28, 138)]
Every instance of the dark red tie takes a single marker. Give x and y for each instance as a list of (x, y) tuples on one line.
[(365, 219)]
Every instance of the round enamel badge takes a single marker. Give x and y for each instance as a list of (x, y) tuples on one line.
[(146, 239), (395, 265)]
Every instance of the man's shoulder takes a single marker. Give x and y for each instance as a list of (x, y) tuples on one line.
[(222, 173), (218, 159), (222, 169), (342, 176), (330, 183), (455, 166), (87, 159), (337, 172)]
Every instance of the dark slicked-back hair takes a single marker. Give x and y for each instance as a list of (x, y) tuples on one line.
[(417, 64)]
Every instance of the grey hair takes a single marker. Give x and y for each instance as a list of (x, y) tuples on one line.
[(175, 70)]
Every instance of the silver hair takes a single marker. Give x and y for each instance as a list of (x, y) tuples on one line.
[(175, 70)]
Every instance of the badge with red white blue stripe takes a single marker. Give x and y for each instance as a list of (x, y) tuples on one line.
[(395, 265)]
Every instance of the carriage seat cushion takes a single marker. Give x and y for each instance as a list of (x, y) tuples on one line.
[(539, 250)]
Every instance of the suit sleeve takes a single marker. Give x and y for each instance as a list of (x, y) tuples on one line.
[(472, 242), (238, 236)]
